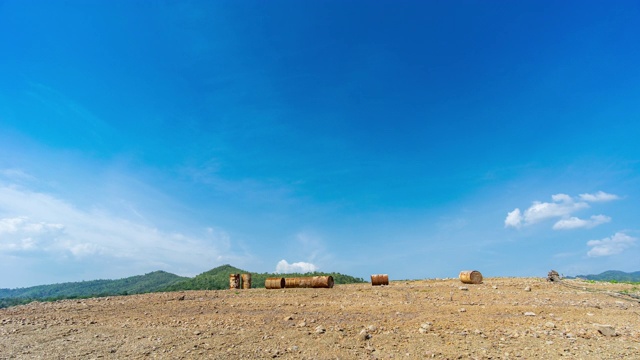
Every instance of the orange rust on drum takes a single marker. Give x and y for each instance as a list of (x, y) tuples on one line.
[(234, 281), (471, 277), (246, 281), (379, 279), (309, 282), (274, 283)]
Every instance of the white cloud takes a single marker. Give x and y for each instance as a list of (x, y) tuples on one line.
[(59, 231), (15, 174), (284, 267), (613, 245), (20, 234), (600, 196), (514, 219), (562, 206), (576, 223)]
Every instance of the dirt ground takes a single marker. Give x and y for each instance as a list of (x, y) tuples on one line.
[(503, 318)]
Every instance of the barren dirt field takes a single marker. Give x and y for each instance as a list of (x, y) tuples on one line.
[(503, 318)]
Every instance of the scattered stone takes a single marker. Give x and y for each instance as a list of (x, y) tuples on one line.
[(463, 288), (606, 330), (288, 318), (302, 324), (364, 335), (528, 288), (320, 329), (425, 328), (529, 313), (550, 325), (462, 310), (494, 286)]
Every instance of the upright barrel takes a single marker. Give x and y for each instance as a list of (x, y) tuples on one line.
[(379, 279), (471, 277), (234, 281), (246, 281)]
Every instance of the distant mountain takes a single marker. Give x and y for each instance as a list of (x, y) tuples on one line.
[(613, 275), (214, 279), (218, 278), (151, 282)]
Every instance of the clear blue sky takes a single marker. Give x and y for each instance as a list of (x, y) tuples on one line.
[(414, 138)]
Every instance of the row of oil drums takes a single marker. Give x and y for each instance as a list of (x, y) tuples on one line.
[(299, 282), (236, 281)]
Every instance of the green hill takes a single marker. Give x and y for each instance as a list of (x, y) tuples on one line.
[(214, 279), (218, 279), (151, 282), (613, 275)]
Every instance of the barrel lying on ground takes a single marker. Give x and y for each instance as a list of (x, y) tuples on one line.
[(309, 282), (379, 279), (471, 277), (274, 283)]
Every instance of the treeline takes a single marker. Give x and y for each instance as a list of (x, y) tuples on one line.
[(613, 275), (151, 282), (218, 279), (158, 281)]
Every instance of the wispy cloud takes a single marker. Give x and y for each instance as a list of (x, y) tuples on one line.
[(33, 222), (576, 223), (15, 174), (562, 206), (283, 267), (613, 245), (600, 196)]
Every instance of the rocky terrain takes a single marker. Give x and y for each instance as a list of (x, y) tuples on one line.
[(502, 318)]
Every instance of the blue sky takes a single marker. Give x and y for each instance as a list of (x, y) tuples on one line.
[(415, 138)]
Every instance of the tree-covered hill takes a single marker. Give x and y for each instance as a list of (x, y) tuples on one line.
[(150, 282), (214, 279), (613, 275), (218, 279)]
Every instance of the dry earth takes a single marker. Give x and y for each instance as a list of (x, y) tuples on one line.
[(503, 318)]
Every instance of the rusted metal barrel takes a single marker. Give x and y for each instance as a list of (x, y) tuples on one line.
[(293, 282), (234, 281), (246, 281), (379, 279), (471, 277), (274, 283), (309, 282), (322, 282)]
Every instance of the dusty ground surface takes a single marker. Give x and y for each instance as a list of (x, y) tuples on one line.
[(503, 318)]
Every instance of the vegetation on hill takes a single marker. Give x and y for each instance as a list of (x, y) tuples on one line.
[(151, 282), (613, 275), (218, 279), (214, 279)]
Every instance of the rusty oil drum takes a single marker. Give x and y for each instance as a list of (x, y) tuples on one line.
[(246, 281), (379, 279), (274, 283), (471, 277), (234, 281), (309, 282)]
